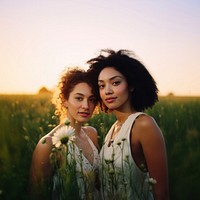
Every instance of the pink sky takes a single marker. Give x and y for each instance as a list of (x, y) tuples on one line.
[(40, 38)]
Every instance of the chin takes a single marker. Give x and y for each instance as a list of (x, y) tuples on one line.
[(84, 120), (112, 107)]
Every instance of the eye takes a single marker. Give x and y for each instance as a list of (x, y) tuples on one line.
[(79, 98), (101, 86), (115, 83)]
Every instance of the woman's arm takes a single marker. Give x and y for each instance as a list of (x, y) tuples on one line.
[(41, 170), (154, 150)]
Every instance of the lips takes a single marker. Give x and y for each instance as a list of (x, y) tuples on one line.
[(84, 114), (110, 99)]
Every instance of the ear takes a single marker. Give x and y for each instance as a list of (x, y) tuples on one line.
[(66, 104)]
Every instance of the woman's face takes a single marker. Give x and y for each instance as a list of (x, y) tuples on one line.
[(113, 89), (81, 103)]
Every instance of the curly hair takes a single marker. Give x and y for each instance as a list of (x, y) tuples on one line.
[(145, 92), (70, 77)]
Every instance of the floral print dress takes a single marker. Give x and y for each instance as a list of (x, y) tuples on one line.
[(84, 185)]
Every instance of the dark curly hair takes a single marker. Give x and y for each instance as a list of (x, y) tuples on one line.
[(145, 92), (70, 77)]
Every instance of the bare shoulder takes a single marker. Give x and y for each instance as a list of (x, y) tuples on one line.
[(92, 133), (90, 130), (145, 126), (45, 143), (47, 139), (43, 148), (145, 121)]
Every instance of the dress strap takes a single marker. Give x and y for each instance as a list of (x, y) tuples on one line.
[(90, 141)]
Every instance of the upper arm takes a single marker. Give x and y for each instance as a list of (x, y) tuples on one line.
[(153, 146), (40, 168)]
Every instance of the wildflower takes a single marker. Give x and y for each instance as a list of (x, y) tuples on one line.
[(143, 168), (44, 141), (152, 181), (111, 172), (67, 122), (26, 137), (109, 161), (63, 135), (126, 157)]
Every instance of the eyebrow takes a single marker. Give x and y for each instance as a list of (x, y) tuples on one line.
[(79, 94), (83, 94), (112, 78)]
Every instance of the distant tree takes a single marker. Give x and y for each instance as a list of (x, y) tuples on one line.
[(171, 94), (44, 90)]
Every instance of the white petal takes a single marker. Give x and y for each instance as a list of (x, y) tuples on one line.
[(63, 132), (58, 144)]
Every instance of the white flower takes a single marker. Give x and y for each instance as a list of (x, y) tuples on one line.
[(63, 135), (152, 181)]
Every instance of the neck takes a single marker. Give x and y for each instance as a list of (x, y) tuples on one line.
[(122, 116), (76, 125), (122, 112)]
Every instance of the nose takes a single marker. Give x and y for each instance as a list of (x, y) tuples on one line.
[(85, 104), (108, 89)]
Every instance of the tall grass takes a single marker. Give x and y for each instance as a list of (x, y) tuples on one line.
[(179, 119), (23, 120), (26, 118)]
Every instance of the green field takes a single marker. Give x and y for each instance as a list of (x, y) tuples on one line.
[(26, 118)]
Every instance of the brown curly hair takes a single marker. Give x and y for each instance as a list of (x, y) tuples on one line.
[(69, 78)]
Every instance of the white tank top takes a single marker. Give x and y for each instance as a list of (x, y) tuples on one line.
[(120, 177)]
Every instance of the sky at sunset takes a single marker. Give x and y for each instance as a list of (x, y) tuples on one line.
[(39, 38)]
